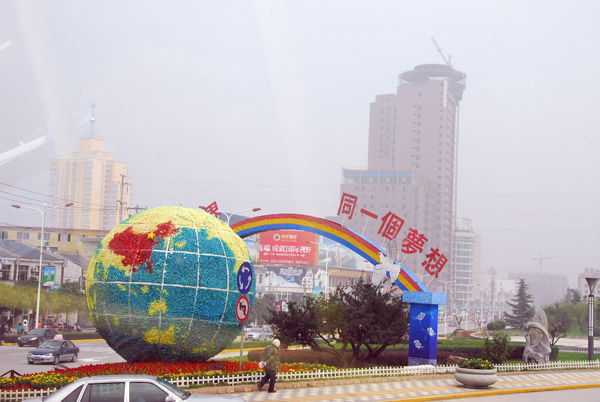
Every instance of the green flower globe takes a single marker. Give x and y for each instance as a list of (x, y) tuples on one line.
[(164, 286)]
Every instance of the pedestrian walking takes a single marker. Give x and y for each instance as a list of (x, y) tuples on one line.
[(20, 328), (270, 363)]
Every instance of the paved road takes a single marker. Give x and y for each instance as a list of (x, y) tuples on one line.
[(91, 352)]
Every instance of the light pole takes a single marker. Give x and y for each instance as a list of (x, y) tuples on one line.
[(480, 304), (446, 309), (229, 215), (326, 264), (592, 281), (40, 269)]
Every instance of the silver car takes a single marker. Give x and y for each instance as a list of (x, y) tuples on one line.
[(127, 388), (257, 334)]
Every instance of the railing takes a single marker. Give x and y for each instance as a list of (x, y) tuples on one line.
[(249, 378)]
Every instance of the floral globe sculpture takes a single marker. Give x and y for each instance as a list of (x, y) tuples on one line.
[(163, 286)]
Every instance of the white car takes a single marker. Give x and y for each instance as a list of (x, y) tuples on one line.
[(257, 334), (127, 388)]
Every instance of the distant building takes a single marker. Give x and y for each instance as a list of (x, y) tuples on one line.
[(72, 241), (545, 288), (467, 265), (412, 162), (582, 285), (97, 185), (21, 262)]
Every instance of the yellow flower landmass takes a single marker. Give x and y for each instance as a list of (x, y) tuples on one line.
[(157, 306), (153, 336)]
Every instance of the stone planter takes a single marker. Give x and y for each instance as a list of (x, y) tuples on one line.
[(476, 378)]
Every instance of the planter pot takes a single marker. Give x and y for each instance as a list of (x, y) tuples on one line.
[(475, 378)]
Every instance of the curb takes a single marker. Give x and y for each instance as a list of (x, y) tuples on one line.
[(242, 388), (496, 392)]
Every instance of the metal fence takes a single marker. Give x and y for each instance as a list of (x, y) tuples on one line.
[(9, 396)]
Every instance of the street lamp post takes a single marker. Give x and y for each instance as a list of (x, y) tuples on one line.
[(229, 215), (237, 212), (446, 309), (326, 265), (40, 268), (592, 281), (480, 304)]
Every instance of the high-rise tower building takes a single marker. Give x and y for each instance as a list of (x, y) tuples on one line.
[(95, 182), (413, 138)]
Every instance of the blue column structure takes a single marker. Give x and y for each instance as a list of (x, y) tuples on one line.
[(422, 348)]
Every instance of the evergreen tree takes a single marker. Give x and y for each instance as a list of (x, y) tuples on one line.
[(572, 296), (360, 317), (521, 307)]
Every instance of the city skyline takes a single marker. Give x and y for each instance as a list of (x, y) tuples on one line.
[(249, 106)]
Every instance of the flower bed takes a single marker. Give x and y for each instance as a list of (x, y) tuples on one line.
[(168, 371), (476, 364)]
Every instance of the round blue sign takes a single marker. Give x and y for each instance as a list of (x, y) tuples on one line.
[(244, 278)]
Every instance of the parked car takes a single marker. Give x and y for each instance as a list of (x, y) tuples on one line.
[(257, 334), (54, 351), (36, 336), (127, 388)]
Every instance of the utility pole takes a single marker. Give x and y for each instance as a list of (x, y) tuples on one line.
[(120, 201), (137, 209)]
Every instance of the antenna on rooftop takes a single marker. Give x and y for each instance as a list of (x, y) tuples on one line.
[(92, 120)]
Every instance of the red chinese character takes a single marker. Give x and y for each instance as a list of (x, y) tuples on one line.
[(213, 209), (368, 213), (347, 205), (435, 262), (413, 242), (390, 228)]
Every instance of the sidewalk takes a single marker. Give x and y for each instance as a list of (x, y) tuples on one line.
[(414, 389)]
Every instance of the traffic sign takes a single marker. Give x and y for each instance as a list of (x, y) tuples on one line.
[(242, 308), (244, 278)]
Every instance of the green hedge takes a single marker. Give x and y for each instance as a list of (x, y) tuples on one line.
[(396, 357)]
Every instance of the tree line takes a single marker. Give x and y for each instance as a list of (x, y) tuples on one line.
[(22, 297)]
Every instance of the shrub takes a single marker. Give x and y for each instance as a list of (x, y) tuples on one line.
[(496, 325), (477, 364), (496, 348), (397, 357)]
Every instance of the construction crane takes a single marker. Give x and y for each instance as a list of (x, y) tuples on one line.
[(541, 259), (446, 60)]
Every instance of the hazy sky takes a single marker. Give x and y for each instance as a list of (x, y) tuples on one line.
[(261, 104)]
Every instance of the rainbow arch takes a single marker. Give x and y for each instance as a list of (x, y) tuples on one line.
[(334, 231)]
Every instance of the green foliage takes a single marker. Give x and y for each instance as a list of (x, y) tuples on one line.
[(71, 288), (572, 296), (522, 309), (569, 318), (477, 364), (497, 348), (496, 325), (23, 296), (355, 316)]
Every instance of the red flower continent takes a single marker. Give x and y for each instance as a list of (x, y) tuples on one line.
[(136, 248)]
